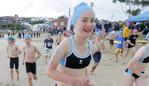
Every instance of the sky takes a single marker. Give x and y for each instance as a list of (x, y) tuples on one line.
[(104, 9)]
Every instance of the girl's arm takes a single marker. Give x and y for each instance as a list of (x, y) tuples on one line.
[(58, 54), (52, 71), (137, 57)]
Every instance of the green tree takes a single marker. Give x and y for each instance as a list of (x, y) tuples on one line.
[(62, 17), (132, 7), (12, 26), (37, 22)]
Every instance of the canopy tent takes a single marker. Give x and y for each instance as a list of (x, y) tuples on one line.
[(141, 17), (38, 27)]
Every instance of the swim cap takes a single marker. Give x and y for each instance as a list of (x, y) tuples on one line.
[(98, 33), (135, 31), (147, 37), (11, 38), (120, 32), (78, 10), (27, 36)]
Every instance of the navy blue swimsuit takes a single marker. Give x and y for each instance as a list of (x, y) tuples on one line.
[(74, 60), (145, 60)]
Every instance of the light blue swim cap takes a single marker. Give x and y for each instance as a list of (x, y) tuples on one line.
[(147, 37), (78, 10), (120, 32), (99, 33), (27, 36)]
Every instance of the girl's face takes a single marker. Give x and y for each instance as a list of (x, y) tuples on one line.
[(85, 24)]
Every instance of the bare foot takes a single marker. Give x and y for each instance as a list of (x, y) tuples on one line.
[(92, 72), (18, 79)]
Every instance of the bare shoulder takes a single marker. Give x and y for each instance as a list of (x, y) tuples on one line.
[(59, 53), (139, 54), (64, 42), (142, 49), (62, 48)]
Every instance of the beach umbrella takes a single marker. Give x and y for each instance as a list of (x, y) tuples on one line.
[(139, 18)]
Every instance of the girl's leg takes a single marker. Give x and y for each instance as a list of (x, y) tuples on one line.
[(93, 68), (129, 80), (141, 82)]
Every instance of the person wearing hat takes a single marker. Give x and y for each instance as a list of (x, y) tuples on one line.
[(30, 56), (135, 71), (69, 62), (119, 46), (131, 42), (48, 43), (13, 53)]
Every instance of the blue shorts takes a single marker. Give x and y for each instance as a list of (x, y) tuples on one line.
[(97, 57)]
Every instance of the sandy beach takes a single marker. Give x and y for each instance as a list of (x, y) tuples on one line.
[(108, 73)]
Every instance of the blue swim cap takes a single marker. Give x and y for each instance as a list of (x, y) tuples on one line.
[(27, 36), (78, 10), (120, 32), (147, 37), (99, 33)]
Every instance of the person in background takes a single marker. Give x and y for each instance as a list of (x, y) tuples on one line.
[(126, 32), (120, 45), (131, 42), (30, 56), (13, 53), (135, 71), (48, 45)]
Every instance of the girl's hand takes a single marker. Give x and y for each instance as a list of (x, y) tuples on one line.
[(83, 80)]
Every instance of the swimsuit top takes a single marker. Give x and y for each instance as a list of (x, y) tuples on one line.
[(74, 60)]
